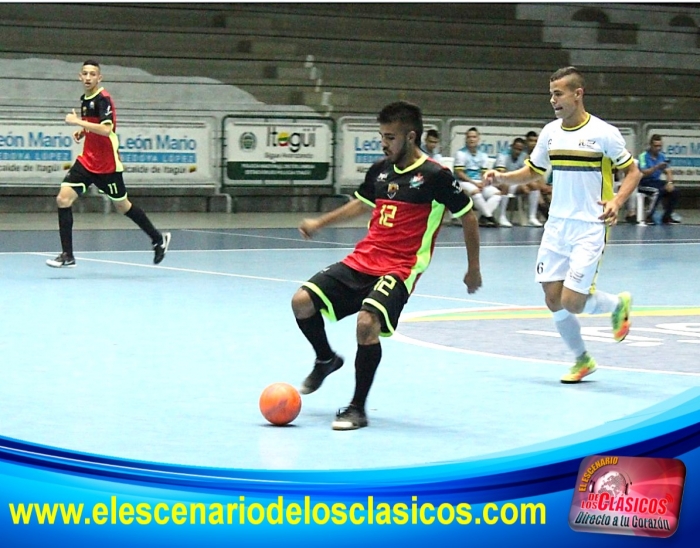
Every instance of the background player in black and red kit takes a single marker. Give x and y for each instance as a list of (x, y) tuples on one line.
[(409, 194), (98, 165)]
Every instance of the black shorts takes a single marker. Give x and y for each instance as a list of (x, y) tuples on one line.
[(339, 291), (80, 179)]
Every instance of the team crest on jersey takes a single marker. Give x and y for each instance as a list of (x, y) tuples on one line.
[(586, 144), (392, 189), (382, 176), (416, 181)]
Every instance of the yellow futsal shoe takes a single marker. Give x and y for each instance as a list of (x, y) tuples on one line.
[(621, 317), (584, 366)]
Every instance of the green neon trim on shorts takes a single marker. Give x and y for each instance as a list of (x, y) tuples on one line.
[(328, 312), (384, 313), (75, 185), (464, 211)]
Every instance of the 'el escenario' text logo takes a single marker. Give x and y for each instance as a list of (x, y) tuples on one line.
[(628, 496)]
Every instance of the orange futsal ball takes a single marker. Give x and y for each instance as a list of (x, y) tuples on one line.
[(280, 403)]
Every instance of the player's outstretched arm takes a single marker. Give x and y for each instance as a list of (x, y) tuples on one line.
[(470, 227), (354, 208), (519, 176)]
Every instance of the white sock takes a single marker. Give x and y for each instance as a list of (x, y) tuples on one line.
[(533, 202), (570, 330), (480, 204), (601, 303), (503, 207), (492, 204)]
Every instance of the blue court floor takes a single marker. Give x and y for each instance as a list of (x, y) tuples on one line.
[(166, 363)]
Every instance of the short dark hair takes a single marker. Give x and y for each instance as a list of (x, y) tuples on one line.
[(408, 114), (91, 62), (655, 137), (531, 134), (577, 81), (472, 129), (432, 133), (519, 140)]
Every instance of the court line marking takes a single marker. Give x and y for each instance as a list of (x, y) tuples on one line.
[(281, 238), (348, 247), (448, 245), (248, 276), (262, 278), (397, 335), (678, 241), (178, 269), (80, 254), (416, 342), (271, 279), (434, 346)]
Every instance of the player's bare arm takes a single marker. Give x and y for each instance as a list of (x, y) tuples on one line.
[(354, 208), (462, 176), (100, 129), (611, 207), (523, 175)]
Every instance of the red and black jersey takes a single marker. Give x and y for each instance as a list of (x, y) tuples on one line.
[(408, 208), (100, 153)]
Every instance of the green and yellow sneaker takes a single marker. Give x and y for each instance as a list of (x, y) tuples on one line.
[(584, 366), (621, 317)]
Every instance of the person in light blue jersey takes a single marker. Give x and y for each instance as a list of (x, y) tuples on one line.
[(470, 164)]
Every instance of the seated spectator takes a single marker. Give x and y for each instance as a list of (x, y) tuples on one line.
[(470, 163), (653, 163), (431, 145), (515, 159)]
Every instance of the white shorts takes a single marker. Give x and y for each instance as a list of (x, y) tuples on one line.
[(571, 251), (486, 192)]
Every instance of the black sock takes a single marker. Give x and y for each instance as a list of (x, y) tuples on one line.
[(366, 363), (65, 229), (315, 332), (137, 215)]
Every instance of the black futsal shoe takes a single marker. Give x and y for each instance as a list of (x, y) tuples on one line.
[(62, 261), (320, 371), (350, 418), (161, 249)]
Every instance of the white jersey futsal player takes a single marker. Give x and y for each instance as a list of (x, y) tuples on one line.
[(581, 150)]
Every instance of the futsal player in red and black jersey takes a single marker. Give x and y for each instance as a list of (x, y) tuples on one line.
[(409, 194), (99, 165)]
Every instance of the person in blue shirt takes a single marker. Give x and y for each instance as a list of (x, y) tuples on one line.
[(653, 163)]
